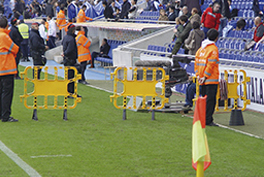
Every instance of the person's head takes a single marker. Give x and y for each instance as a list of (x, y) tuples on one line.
[(171, 9), (35, 26), (185, 10), (257, 21), (70, 20), (183, 19), (162, 12), (84, 7), (73, 20), (3, 22), (104, 4), (113, 3), (14, 21), (195, 25), (241, 23), (71, 29), (79, 28), (194, 11), (117, 10), (21, 21), (133, 2), (212, 34), (43, 21), (216, 7), (177, 20), (49, 17), (62, 8), (104, 41)]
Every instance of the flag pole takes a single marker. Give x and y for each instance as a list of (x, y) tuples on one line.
[(200, 169)]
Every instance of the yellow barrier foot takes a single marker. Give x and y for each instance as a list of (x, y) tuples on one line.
[(236, 118), (124, 114), (35, 116), (153, 115), (65, 115)]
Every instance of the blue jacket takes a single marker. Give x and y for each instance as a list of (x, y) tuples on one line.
[(69, 49)]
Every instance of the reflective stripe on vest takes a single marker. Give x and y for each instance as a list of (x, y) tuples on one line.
[(83, 54), (7, 71)]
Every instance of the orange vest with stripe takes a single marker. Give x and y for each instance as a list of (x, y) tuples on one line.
[(61, 20), (83, 44), (81, 17), (8, 51), (207, 64)]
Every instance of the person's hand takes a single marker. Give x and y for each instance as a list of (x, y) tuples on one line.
[(62, 54), (46, 47), (260, 12), (201, 80), (202, 25), (175, 30)]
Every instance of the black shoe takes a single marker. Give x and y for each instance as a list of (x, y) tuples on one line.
[(187, 108), (27, 59), (11, 119), (78, 96), (84, 82), (17, 77), (213, 124)]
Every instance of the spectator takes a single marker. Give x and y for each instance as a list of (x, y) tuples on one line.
[(49, 9), (178, 28), (150, 6), (187, 27), (195, 16), (83, 44), (195, 38), (7, 71), (104, 49), (51, 33), (163, 16), (194, 4), (61, 20), (240, 25), (117, 14), (190, 93), (24, 31), (125, 8), (172, 14), (259, 31), (133, 10), (17, 39), (42, 30), (19, 6), (211, 18), (185, 11), (224, 10), (256, 9), (109, 11), (37, 48), (70, 54), (207, 72)]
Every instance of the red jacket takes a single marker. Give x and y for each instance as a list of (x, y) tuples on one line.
[(259, 32), (211, 19)]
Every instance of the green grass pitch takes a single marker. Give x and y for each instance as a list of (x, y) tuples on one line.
[(100, 143)]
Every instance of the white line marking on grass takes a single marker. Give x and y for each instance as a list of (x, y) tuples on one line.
[(28, 169), (99, 88), (51, 156)]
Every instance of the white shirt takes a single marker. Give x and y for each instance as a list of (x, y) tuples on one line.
[(52, 28), (42, 32)]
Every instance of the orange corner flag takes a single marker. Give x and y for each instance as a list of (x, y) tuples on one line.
[(200, 150)]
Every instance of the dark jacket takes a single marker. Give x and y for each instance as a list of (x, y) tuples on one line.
[(194, 3), (224, 10), (49, 10), (108, 12), (69, 49), (172, 16), (15, 35), (36, 46), (256, 8), (187, 27), (125, 8), (104, 49)]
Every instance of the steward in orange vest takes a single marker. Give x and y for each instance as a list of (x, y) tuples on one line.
[(83, 44), (81, 17), (207, 71), (68, 24), (61, 20), (8, 68)]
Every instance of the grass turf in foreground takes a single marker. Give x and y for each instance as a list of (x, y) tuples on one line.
[(102, 144)]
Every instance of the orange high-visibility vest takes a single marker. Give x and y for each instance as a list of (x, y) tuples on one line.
[(47, 28), (66, 28), (207, 64), (8, 51), (81, 17), (61, 20), (83, 44)]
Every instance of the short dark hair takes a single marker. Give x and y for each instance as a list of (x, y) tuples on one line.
[(44, 19), (241, 23), (135, 1), (78, 28), (212, 34), (62, 7), (172, 7), (105, 40), (105, 3), (70, 30), (84, 6), (50, 16), (3, 22), (195, 25), (184, 18)]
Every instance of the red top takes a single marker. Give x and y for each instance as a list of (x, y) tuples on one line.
[(211, 19), (256, 38)]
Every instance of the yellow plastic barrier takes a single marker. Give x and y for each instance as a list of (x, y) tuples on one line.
[(232, 90), (46, 87), (139, 88)]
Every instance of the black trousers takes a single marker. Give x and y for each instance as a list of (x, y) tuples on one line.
[(36, 62), (51, 42), (209, 90), (83, 68), (6, 96), (71, 84), (94, 55), (24, 48)]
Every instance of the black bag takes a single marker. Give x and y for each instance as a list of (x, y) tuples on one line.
[(43, 60)]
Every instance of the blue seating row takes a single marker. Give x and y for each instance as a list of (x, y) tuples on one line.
[(245, 5), (231, 43), (246, 13), (252, 56), (157, 48), (241, 34), (113, 44), (149, 13)]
